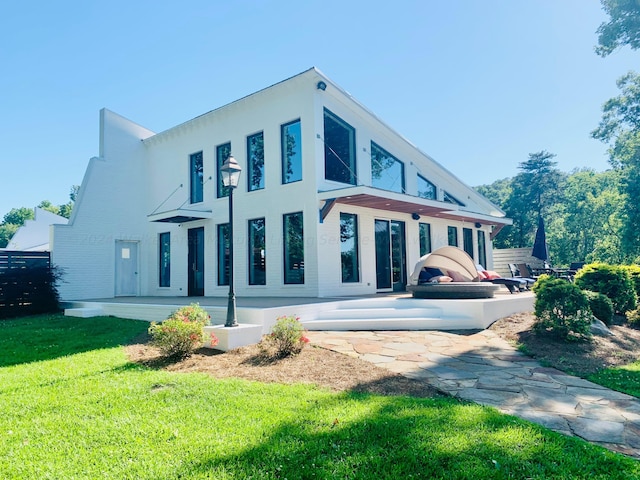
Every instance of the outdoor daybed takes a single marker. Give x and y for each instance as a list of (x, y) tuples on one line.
[(457, 264)]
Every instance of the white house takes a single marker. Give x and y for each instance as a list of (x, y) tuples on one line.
[(33, 236), (331, 202)]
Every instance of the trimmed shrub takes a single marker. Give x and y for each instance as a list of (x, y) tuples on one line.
[(634, 273), (562, 310), (633, 318), (601, 306), (286, 337), (611, 280), (181, 333)]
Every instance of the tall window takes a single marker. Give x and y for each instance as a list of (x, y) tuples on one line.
[(197, 170), (387, 172), (291, 136), (222, 153), (223, 254), (255, 161), (164, 260), (482, 249), (349, 248), (425, 238), (467, 241), (451, 199), (452, 236), (293, 248), (426, 189), (339, 149), (257, 252)]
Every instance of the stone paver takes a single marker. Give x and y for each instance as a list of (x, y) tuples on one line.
[(484, 368)]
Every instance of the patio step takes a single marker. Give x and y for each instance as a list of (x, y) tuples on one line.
[(84, 312), (380, 323)]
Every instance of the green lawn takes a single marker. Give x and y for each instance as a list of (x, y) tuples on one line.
[(623, 379), (76, 408)]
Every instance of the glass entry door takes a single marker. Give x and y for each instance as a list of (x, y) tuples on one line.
[(196, 262), (391, 270)]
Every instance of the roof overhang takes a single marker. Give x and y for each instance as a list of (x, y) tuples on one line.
[(377, 199), (180, 215)]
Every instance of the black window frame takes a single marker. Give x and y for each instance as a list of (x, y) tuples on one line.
[(350, 273), (337, 168), (222, 153), (425, 240), (255, 164), (257, 265), (432, 186), (222, 253), (284, 148), (164, 259), (292, 275), (378, 150), (196, 177), (452, 236)]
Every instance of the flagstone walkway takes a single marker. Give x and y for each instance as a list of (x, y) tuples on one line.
[(485, 369)]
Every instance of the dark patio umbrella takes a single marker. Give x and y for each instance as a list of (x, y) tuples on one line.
[(540, 244)]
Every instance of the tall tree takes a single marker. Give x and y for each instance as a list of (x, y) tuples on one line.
[(623, 27), (620, 128)]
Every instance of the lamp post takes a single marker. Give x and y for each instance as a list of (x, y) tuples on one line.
[(230, 172)]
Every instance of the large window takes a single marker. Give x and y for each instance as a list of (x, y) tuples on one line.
[(223, 254), (451, 199), (293, 248), (291, 135), (255, 161), (482, 249), (425, 238), (452, 236), (339, 149), (164, 260), (349, 248), (257, 252), (222, 153), (196, 177), (426, 189), (387, 172), (467, 241)]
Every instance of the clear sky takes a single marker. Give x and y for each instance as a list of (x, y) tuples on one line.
[(476, 84)]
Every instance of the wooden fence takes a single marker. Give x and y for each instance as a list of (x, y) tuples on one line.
[(27, 283)]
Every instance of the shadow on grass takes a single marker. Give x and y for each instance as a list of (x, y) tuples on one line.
[(46, 337), (409, 438)]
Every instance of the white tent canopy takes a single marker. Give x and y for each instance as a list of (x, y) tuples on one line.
[(447, 259)]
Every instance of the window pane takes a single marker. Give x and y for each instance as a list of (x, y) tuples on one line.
[(257, 252), (452, 234), (467, 241), (197, 171), (425, 238), (222, 153), (164, 277), (426, 189), (451, 199), (255, 161), (223, 254), (339, 149), (291, 152), (482, 249), (349, 247), (387, 172), (293, 248)]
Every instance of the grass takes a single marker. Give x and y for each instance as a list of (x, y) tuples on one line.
[(624, 379), (78, 409)]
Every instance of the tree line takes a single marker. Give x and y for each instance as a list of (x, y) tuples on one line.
[(589, 216), (16, 217)]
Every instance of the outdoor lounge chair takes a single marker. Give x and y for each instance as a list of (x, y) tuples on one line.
[(514, 285)]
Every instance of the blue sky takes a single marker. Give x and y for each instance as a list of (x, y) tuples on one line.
[(478, 85)]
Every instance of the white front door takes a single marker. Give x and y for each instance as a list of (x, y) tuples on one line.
[(126, 269)]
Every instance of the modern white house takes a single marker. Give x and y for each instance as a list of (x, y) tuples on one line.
[(33, 236), (331, 202)]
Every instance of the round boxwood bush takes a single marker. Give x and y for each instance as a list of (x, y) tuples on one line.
[(562, 310), (601, 306), (611, 280)]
